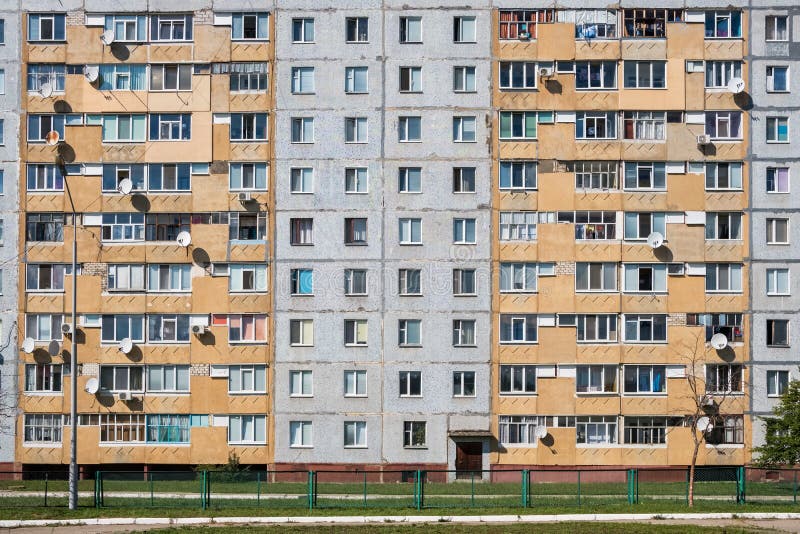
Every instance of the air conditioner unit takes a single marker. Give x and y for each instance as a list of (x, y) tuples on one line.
[(244, 197), (709, 402), (125, 396), (199, 329), (66, 328), (704, 139), (546, 72)]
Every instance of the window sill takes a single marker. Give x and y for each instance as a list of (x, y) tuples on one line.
[(725, 446), (37, 445), (351, 345), (355, 447), (245, 393), (301, 446), (462, 295), (596, 393), (409, 346), (779, 294), (245, 241), (356, 294), (465, 346), (410, 244), (597, 445), (299, 346), (301, 396), (661, 395), (44, 393), (520, 394), (302, 244), (248, 342), (246, 443), (415, 448)]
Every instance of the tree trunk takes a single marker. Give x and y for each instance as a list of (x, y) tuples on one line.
[(696, 450)]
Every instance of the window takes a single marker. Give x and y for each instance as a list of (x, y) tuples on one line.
[(723, 225), (355, 383), (300, 434), (727, 430), (518, 75), (43, 428), (175, 127), (122, 428), (724, 378), (464, 282), (166, 277), (723, 24), (409, 282), (596, 430), (44, 177), (596, 125), (355, 282), (302, 281), (355, 332), (518, 125), (777, 79), (409, 333), (410, 30), (649, 22), (595, 276), (777, 333), (729, 324), (645, 125), (409, 180), (723, 176), (596, 328), (51, 73), (645, 328), (723, 278), (355, 231), (303, 30), (522, 24), (464, 231), (357, 29), (248, 127), (170, 77), (645, 430), (520, 328), (645, 176), (169, 177), (410, 383), (46, 27), (355, 80), (44, 227), (302, 180), (600, 175), (127, 28), (464, 80), (301, 384), (167, 328), (247, 429), (42, 378), (777, 129), (463, 179), (355, 434), (250, 26), (409, 129), (115, 328), (119, 77), (517, 226), (248, 176), (168, 428), (518, 277), (463, 383), (302, 129), (247, 277), (517, 379), (410, 79), (301, 332), (518, 175), (720, 73), (248, 226), (596, 379), (43, 326), (645, 74), (521, 429), (596, 75), (777, 231), (40, 125), (724, 125), (778, 281), (167, 378), (644, 277), (114, 174), (464, 30), (645, 379), (355, 130), (464, 129), (171, 27), (166, 226), (247, 379), (464, 333), (115, 378), (777, 383), (247, 328), (244, 77), (640, 225), (302, 231), (46, 276), (776, 28), (410, 231), (303, 80)]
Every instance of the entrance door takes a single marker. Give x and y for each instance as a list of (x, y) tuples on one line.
[(469, 458)]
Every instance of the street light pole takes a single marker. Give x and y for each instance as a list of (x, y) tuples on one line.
[(73, 367)]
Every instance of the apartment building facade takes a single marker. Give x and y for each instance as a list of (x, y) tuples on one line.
[(145, 138)]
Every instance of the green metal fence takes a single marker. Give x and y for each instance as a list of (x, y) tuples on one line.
[(40, 489)]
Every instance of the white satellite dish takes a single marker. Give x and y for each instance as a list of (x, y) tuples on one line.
[(91, 72), (52, 137), (184, 239), (736, 85), (719, 341), (125, 186), (46, 89), (53, 348), (703, 424), (92, 386), (126, 345), (107, 37), (655, 240), (540, 432), (28, 344)]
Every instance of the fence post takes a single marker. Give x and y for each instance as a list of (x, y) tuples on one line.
[(472, 500), (365, 488), (794, 490), (419, 490), (579, 487), (525, 482), (629, 478), (258, 487), (741, 484), (96, 503), (203, 489), (98, 488), (311, 490), (688, 473), (152, 501)]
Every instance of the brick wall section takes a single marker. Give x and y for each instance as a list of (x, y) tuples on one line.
[(205, 16), (199, 369), (97, 269), (676, 319), (565, 268), (76, 18), (90, 369)]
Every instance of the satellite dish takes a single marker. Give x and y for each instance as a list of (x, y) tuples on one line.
[(184, 239), (655, 240), (719, 341), (107, 37), (91, 72), (92, 386), (46, 89), (126, 345), (736, 85), (540, 432), (28, 344), (125, 186), (53, 348), (703, 424), (52, 137)]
